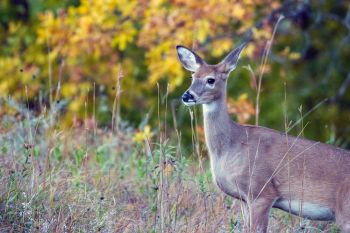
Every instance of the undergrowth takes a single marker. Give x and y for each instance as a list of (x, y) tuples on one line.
[(88, 179)]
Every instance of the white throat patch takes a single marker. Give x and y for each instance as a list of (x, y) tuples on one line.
[(210, 107)]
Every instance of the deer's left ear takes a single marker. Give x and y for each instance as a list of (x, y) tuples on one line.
[(189, 59), (230, 61)]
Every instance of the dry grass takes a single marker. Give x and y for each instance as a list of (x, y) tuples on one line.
[(94, 180)]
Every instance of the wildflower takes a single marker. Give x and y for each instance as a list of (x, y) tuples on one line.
[(141, 135)]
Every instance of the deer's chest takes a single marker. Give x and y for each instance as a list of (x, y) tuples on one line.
[(228, 173)]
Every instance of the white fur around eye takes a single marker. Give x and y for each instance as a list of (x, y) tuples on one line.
[(206, 82)]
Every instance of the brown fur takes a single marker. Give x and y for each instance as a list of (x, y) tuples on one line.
[(266, 168)]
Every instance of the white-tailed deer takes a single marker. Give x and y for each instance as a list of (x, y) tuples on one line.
[(262, 167)]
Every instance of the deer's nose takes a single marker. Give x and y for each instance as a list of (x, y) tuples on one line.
[(187, 96)]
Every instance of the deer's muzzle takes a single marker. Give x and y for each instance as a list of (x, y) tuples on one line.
[(188, 98)]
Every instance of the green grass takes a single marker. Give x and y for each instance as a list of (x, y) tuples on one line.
[(94, 180)]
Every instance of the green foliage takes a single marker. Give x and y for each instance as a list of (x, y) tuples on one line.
[(57, 152), (67, 51), (78, 156)]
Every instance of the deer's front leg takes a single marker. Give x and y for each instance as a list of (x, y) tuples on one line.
[(342, 214), (259, 214)]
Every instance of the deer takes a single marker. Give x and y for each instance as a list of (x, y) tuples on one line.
[(262, 167)]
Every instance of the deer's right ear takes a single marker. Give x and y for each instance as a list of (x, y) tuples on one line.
[(189, 59)]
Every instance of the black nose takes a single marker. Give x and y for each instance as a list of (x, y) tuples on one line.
[(187, 96)]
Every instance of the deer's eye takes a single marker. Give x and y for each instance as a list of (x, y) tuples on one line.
[(210, 81)]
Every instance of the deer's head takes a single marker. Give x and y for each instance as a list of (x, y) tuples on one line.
[(208, 81)]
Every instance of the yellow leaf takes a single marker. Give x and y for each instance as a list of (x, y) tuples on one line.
[(69, 90), (222, 46), (294, 55), (203, 28), (75, 105)]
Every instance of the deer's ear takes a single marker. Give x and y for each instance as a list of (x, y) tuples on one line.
[(189, 59), (230, 61)]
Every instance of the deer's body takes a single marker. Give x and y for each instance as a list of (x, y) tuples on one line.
[(263, 167), (292, 173)]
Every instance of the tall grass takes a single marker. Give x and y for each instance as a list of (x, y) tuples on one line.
[(94, 180)]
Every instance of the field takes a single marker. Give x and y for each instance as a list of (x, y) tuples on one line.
[(90, 179), (93, 134)]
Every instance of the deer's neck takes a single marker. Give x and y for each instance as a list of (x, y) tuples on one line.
[(220, 130)]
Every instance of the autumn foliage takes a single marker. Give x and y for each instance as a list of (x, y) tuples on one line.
[(81, 45), (69, 52)]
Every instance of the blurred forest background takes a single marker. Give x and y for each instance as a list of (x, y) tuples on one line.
[(93, 134), (63, 53)]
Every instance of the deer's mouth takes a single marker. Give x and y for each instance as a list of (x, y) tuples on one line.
[(189, 102)]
